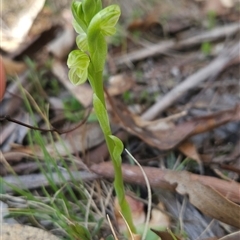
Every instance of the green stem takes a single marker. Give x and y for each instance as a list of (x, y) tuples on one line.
[(97, 86), (97, 83), (119, 188)]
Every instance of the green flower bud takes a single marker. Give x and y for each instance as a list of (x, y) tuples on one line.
[(78, 63), (90, 9), (105, 21), (77, 27), (82, 43), (81, 39), (102, 24), (78, 14)]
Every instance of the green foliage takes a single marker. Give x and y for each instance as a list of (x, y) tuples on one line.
[(80, 232), (150, 234), (110, 237), (72, 104), (71, 109), (206, 48), (127, 98), (53, 83), (64, 208), (93, 24), (42, 80)]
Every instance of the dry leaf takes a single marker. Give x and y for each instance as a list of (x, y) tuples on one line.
[(159, 218), (21, 232), (170, 137), (205, 198), (232, 236), (119, 84), (12, 67), (137, 210), (190, 150), (144, 23), (156, 177), (156, 125)]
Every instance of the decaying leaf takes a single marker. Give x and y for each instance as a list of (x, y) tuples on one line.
[(190, 150), (137, 210), (158, 219), (232, 236), (197, 187), (21, 232), (119, 84), (209, 201), (11, 67), (170, 137), (156, 177)]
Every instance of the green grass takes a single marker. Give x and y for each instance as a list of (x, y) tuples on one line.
[(67, 209)]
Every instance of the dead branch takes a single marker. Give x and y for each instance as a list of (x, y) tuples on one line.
[(163, 47), (192, 81), (32, 181)]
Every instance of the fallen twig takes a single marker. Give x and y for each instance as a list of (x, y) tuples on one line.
[(163, 47), (32, 181), (210, 70), (156, 177)]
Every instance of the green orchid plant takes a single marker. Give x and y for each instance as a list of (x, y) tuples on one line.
[(93, 23)]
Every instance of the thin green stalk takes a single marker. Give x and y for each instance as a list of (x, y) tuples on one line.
[(118, 180), (119, 188)]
